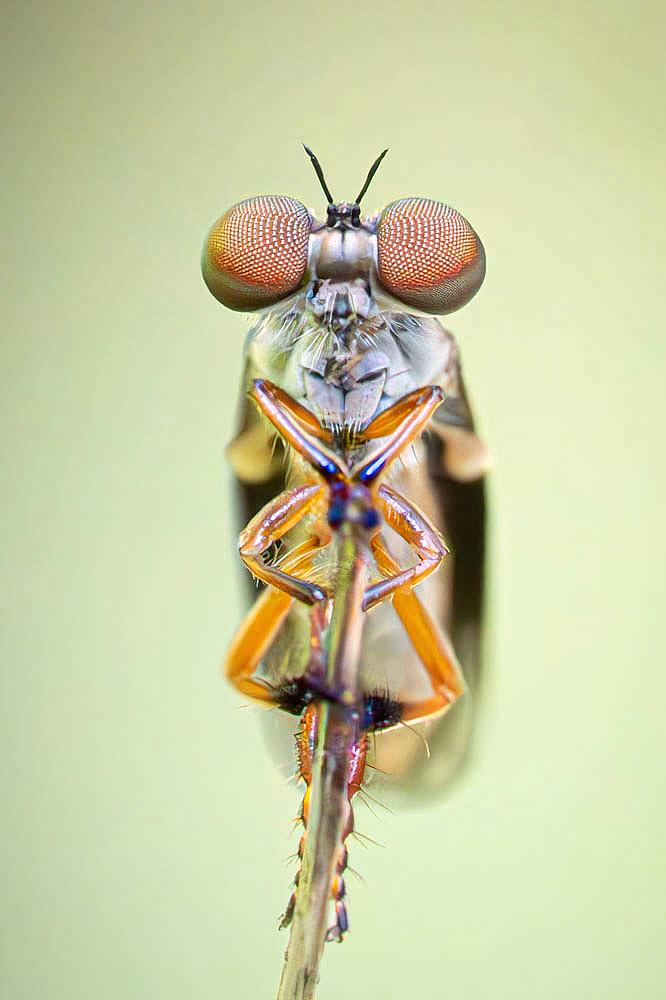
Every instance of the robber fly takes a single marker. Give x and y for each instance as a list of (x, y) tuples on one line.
[(346, 328), (344, 486)]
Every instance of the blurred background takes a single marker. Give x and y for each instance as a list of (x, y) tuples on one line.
[(145, 824)]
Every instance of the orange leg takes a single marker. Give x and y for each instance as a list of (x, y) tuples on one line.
[(286, 404), (255, 634), (404, 421), (286, 416), (260, 627), (388, 420), (435, 652), (412, 525), (268, 526)]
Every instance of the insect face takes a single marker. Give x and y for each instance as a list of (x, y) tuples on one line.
[(269, 248)]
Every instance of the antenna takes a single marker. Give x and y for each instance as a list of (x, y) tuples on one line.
[(320, 173), (371, 173)]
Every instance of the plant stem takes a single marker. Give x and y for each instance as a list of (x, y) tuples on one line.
[(337, 734)]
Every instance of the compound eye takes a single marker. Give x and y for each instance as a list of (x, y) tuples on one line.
[(257, 252), (428, 255)]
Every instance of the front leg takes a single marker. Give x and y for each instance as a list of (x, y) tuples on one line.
[(400, 424), (290, 419), (268, 526)]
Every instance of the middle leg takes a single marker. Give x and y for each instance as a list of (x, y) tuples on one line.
[(431, 645), (271, 524), (408, 522)]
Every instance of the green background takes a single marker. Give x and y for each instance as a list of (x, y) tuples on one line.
[(145, 822)]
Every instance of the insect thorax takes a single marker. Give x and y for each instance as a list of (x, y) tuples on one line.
[(337, 350)]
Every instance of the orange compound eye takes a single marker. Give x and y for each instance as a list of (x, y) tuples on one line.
[(257, 253), (428, 255)]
